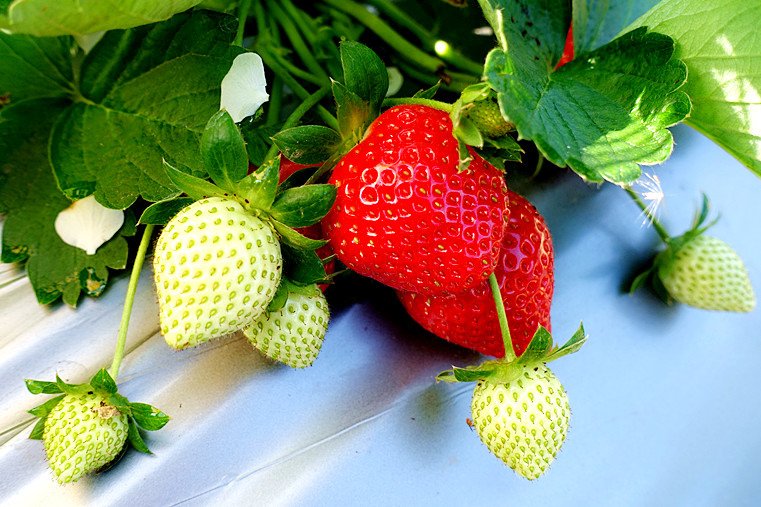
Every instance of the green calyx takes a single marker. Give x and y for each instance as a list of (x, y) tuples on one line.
[(478, 122), (141, 416), (223, 151), (542, 349)]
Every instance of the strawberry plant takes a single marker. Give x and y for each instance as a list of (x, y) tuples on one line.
[(267, 153)]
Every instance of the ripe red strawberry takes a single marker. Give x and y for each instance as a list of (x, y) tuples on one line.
[(405, 216), (526, 280), (568, 50), (289, 167)]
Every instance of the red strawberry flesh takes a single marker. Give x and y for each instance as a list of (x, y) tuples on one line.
[(406, 217), (526, 279)]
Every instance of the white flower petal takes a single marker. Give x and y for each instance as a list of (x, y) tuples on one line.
[(244, 87), (86, 224), (88, 40), (395, 80)]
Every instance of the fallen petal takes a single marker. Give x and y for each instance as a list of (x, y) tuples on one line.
[(244, 87), (87, 224)]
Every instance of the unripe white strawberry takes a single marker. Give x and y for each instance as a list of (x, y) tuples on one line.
[(293, 334), (216, 268), (83, 433), (705, 272), (523, 422)]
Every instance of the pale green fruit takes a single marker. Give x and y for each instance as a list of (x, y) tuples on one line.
[(83, 433), (707, 273), (293, 335), (523, 422), (216, 267)]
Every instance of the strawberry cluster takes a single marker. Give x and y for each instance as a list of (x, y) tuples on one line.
[(408, 215)]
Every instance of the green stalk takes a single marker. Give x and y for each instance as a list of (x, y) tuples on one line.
[(261, 19), (451, 56), (388, 34), (275, 103), (458, 83), (294, 85), (121, 337), (305, 54), (302, 21), (662, 232), (502, 317), (243, 9), (437, 104), (295, 116)]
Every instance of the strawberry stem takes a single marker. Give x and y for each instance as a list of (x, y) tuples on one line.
[(451, 55), (504, 327), (294, 85), (457, 83), (662, 232), (121, 337), (292, 32), (405, 48), (243, 8), (437, 104)]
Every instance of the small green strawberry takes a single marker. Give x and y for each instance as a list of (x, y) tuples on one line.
[(698, 270), (487, 117), (217, 268), (82, 434), (524, 421), (292, 334), (86, 427), (705, 272), (519, 409)]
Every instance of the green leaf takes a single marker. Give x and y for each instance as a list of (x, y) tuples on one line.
[(148, 417), (474, 93), (38, 431), (224, 151), (467, 132), (280, 297), (308, 144), (719, 42), (353, 113), (196, 188), (259, 188), (146, 96), (78, 17), (302, 266), (597, 23), (134, 438), (161, 212), (364, 74), (294, 239), (32, 68), (42, 387), (428, 93), (121, 403), (537, 349), (604, 113), (258, 140), (43, 410), (103, 381), (31, 200), (303, 206), (474, 373), (576, 341)]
